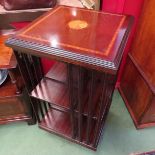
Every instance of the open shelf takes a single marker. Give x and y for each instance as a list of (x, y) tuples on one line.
[(53, 92), (53, 89), (57, 122), (58, 72), (57, 95)]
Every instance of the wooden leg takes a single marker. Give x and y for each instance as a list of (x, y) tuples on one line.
[(14, 80), (32, 121)]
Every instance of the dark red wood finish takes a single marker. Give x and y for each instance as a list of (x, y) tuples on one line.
[(74, 97), (98, 46), (138, 82), (7, 59), (15, 104)]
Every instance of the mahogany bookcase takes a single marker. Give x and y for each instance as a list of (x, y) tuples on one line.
[(73, 99)]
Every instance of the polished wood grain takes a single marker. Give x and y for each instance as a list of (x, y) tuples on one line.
[(99, 44), (13, 106), (7, 59), (58, 72), (90, 105), (53, 89), (73, 99), (52, 92), (59, 123), (57, 76), (76, 25), (145, 42), (138, 95), (136, 92), (138, 82)]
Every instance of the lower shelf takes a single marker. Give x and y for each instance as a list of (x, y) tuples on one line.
[(59, 123)]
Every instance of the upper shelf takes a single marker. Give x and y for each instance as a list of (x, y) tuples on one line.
[(53, 92)]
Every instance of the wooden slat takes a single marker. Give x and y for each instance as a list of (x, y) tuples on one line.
[(90, 103), (80, 101), (71, 100), (102, 103), (27, 76)]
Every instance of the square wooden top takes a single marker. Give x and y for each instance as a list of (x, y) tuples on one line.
[(77, 35)]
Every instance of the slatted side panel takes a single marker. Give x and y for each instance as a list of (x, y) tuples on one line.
[(107, 83), (80, 101), (90, 94), (72, 100), (100, 87), (32, 73), (90, 106)]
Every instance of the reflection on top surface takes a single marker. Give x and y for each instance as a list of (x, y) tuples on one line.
[(97, 34)]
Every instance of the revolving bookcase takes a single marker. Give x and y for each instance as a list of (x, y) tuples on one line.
[(73, 99)]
